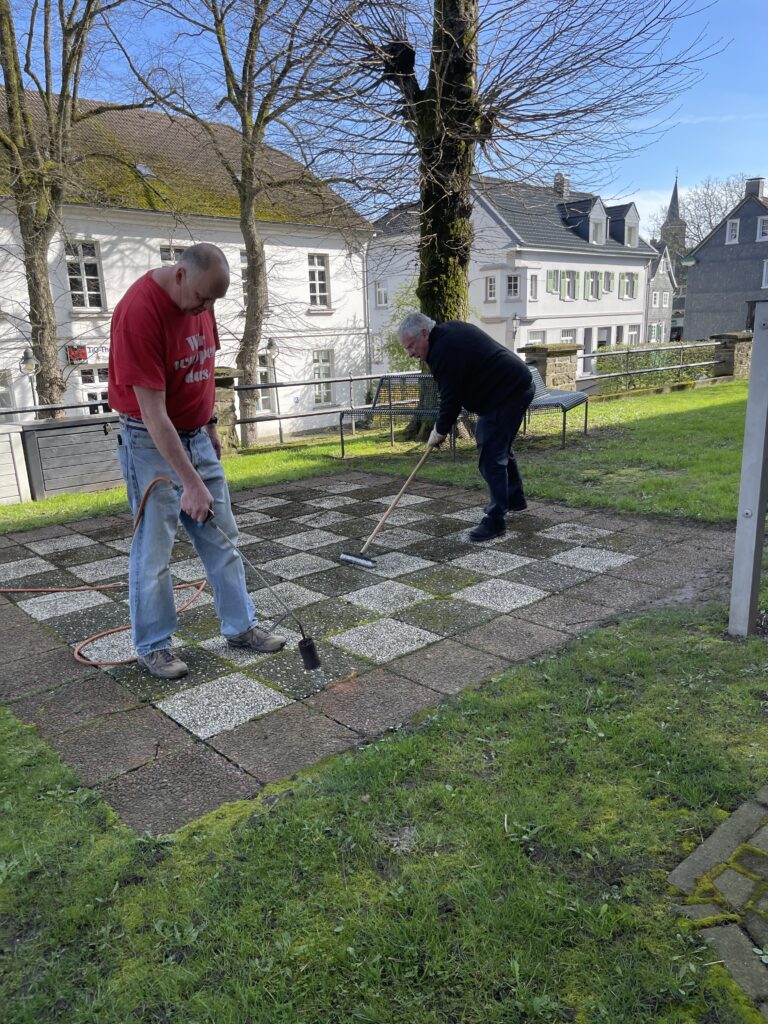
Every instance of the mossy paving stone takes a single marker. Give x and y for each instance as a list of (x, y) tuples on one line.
[(286, 672), (372, 703), (280, 513), (629, 544), (549, 576), (116, 744), (565, 614), (274, 531), (110, 525), (354, 529), (82, 556), (7, 542), (259, 553), (446, 617), (437, 527), (753, 862), (171, 791), (203, 667), (442, 579), (74, 704), (79, 625), (333, 616), (449, 666), (659, 570), (13, 553), (284, 742), (199, 623), (442, 549), (51, 580), (40, 533), (333, 552), (531, 546), (335, 582), (620, 595)]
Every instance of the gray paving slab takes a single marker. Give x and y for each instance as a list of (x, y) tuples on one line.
[(292, 567), (27, 671), (284, 742), (593, 559), (373, 703), (514, 639), (115, 744), (735, 949), (757, 928), (718, 847), (449, 666), (700, 911), (735, 888), (446, 616), (565, 613), (170, 792), (614, 593), (286, 672), (74, 704)]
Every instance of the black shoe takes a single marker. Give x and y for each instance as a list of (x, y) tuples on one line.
[(519, 506), (488, 529)]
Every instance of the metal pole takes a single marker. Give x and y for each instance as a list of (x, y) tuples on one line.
[(277, 407), (750, 523), (391, 415), (351, 406)]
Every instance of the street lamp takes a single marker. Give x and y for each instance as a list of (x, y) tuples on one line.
[(30, 366), (272, 353), (515, 325)]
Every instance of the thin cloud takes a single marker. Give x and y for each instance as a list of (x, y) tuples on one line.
[(722, 118)]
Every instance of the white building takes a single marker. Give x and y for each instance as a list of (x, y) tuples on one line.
[(168, 190), (548, 265)]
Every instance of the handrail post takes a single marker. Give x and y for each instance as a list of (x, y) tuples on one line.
[(391, 415), (351, 406), (279, 422), (626, 371), (680, 365)]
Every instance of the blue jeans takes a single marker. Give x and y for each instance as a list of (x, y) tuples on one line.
[(153, 610), (495, 433)]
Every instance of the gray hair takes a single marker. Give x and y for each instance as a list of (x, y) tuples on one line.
[(202, 257), (412, 323)]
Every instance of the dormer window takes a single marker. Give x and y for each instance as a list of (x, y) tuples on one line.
[(596, 232), (631, 235)]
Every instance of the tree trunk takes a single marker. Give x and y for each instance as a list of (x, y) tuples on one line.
[(255, 309), (36, 234)]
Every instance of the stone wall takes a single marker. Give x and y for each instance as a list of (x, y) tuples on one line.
[(557, 364), (735, 349), (225, 410)]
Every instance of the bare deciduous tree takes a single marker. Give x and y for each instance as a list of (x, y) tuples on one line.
[(522, 89), (43, 69), (703, 206)]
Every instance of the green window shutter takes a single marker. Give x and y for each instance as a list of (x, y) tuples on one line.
[(563, 284), (576, 289), (600, 285), (550, 280), (611, 282), (586, 284), (621, 286)]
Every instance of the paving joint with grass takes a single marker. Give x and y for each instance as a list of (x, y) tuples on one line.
[(434, 615)]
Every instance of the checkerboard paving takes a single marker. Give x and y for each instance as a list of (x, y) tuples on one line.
[(427, 583)]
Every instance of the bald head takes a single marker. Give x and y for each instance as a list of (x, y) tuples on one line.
[(202, 258), (198, 279)]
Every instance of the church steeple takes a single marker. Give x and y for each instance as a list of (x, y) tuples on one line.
[(673, 211), (673, 236)]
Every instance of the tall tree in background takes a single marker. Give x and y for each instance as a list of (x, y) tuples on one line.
[(267, 64), (43, 68), (521, 90)]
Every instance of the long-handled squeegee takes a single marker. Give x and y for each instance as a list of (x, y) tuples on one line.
[(369, 563)]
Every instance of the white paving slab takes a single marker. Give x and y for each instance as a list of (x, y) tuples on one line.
[(332, 501), (244, 540), (397, 563), (53, 544), (122, 544), (466, 515), (221, 704), (265, 501), (293, 566), (103, 570), (574, 532), (48, 606), (407, 499), (24, 567), (502, 595), (398, 538), (291, 594), (387, 597), (383, 640), (253, 519), (310, 539), (400, 517), (188, 569), (491, 563), (320, 519), (239, 656), (594, 559), (338, 486)]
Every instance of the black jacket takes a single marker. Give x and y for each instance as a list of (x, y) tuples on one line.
[(472, 371)]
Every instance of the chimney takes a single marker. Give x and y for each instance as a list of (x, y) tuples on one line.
[(562, 186), (755, 187)]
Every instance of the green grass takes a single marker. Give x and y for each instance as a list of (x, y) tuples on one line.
[(677, 454), (537, 819)]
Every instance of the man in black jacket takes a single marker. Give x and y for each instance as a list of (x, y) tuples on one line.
[(476, 373)]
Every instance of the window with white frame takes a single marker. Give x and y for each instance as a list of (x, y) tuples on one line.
[(631, 235), (93, 383), (537, 337), (762, 229), (596, 232), (593, 284), (732, 231), (628, 285), (665, 300), (6, 390), (382, 293), (765, 274), (533, 287), (322, 369), (490, 288), (264, 398), (570, 284), (603, 337), (84, 272), (607, 281), (513, 286), (171, 254), (655, 299), (633, 334), (568, 334), (319, 295), (620, 335)]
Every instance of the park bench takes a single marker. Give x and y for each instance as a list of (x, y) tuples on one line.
[(554, 398)]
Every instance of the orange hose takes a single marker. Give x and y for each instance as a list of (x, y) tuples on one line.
[(199, 584)]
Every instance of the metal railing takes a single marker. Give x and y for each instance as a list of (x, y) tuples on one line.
[(589, 360)]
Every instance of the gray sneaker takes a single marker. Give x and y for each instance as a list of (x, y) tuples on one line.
[(257, 639), (163, 665)]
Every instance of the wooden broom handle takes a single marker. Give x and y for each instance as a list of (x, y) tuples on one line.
[(401, 492)]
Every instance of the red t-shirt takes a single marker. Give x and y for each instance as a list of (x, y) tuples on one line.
[(153, 344)]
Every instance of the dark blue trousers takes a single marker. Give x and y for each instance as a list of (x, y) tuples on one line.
[(495, 433)]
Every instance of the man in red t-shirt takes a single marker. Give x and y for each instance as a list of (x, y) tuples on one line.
[(161, 380)]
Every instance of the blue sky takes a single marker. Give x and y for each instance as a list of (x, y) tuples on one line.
[(721, 126)]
